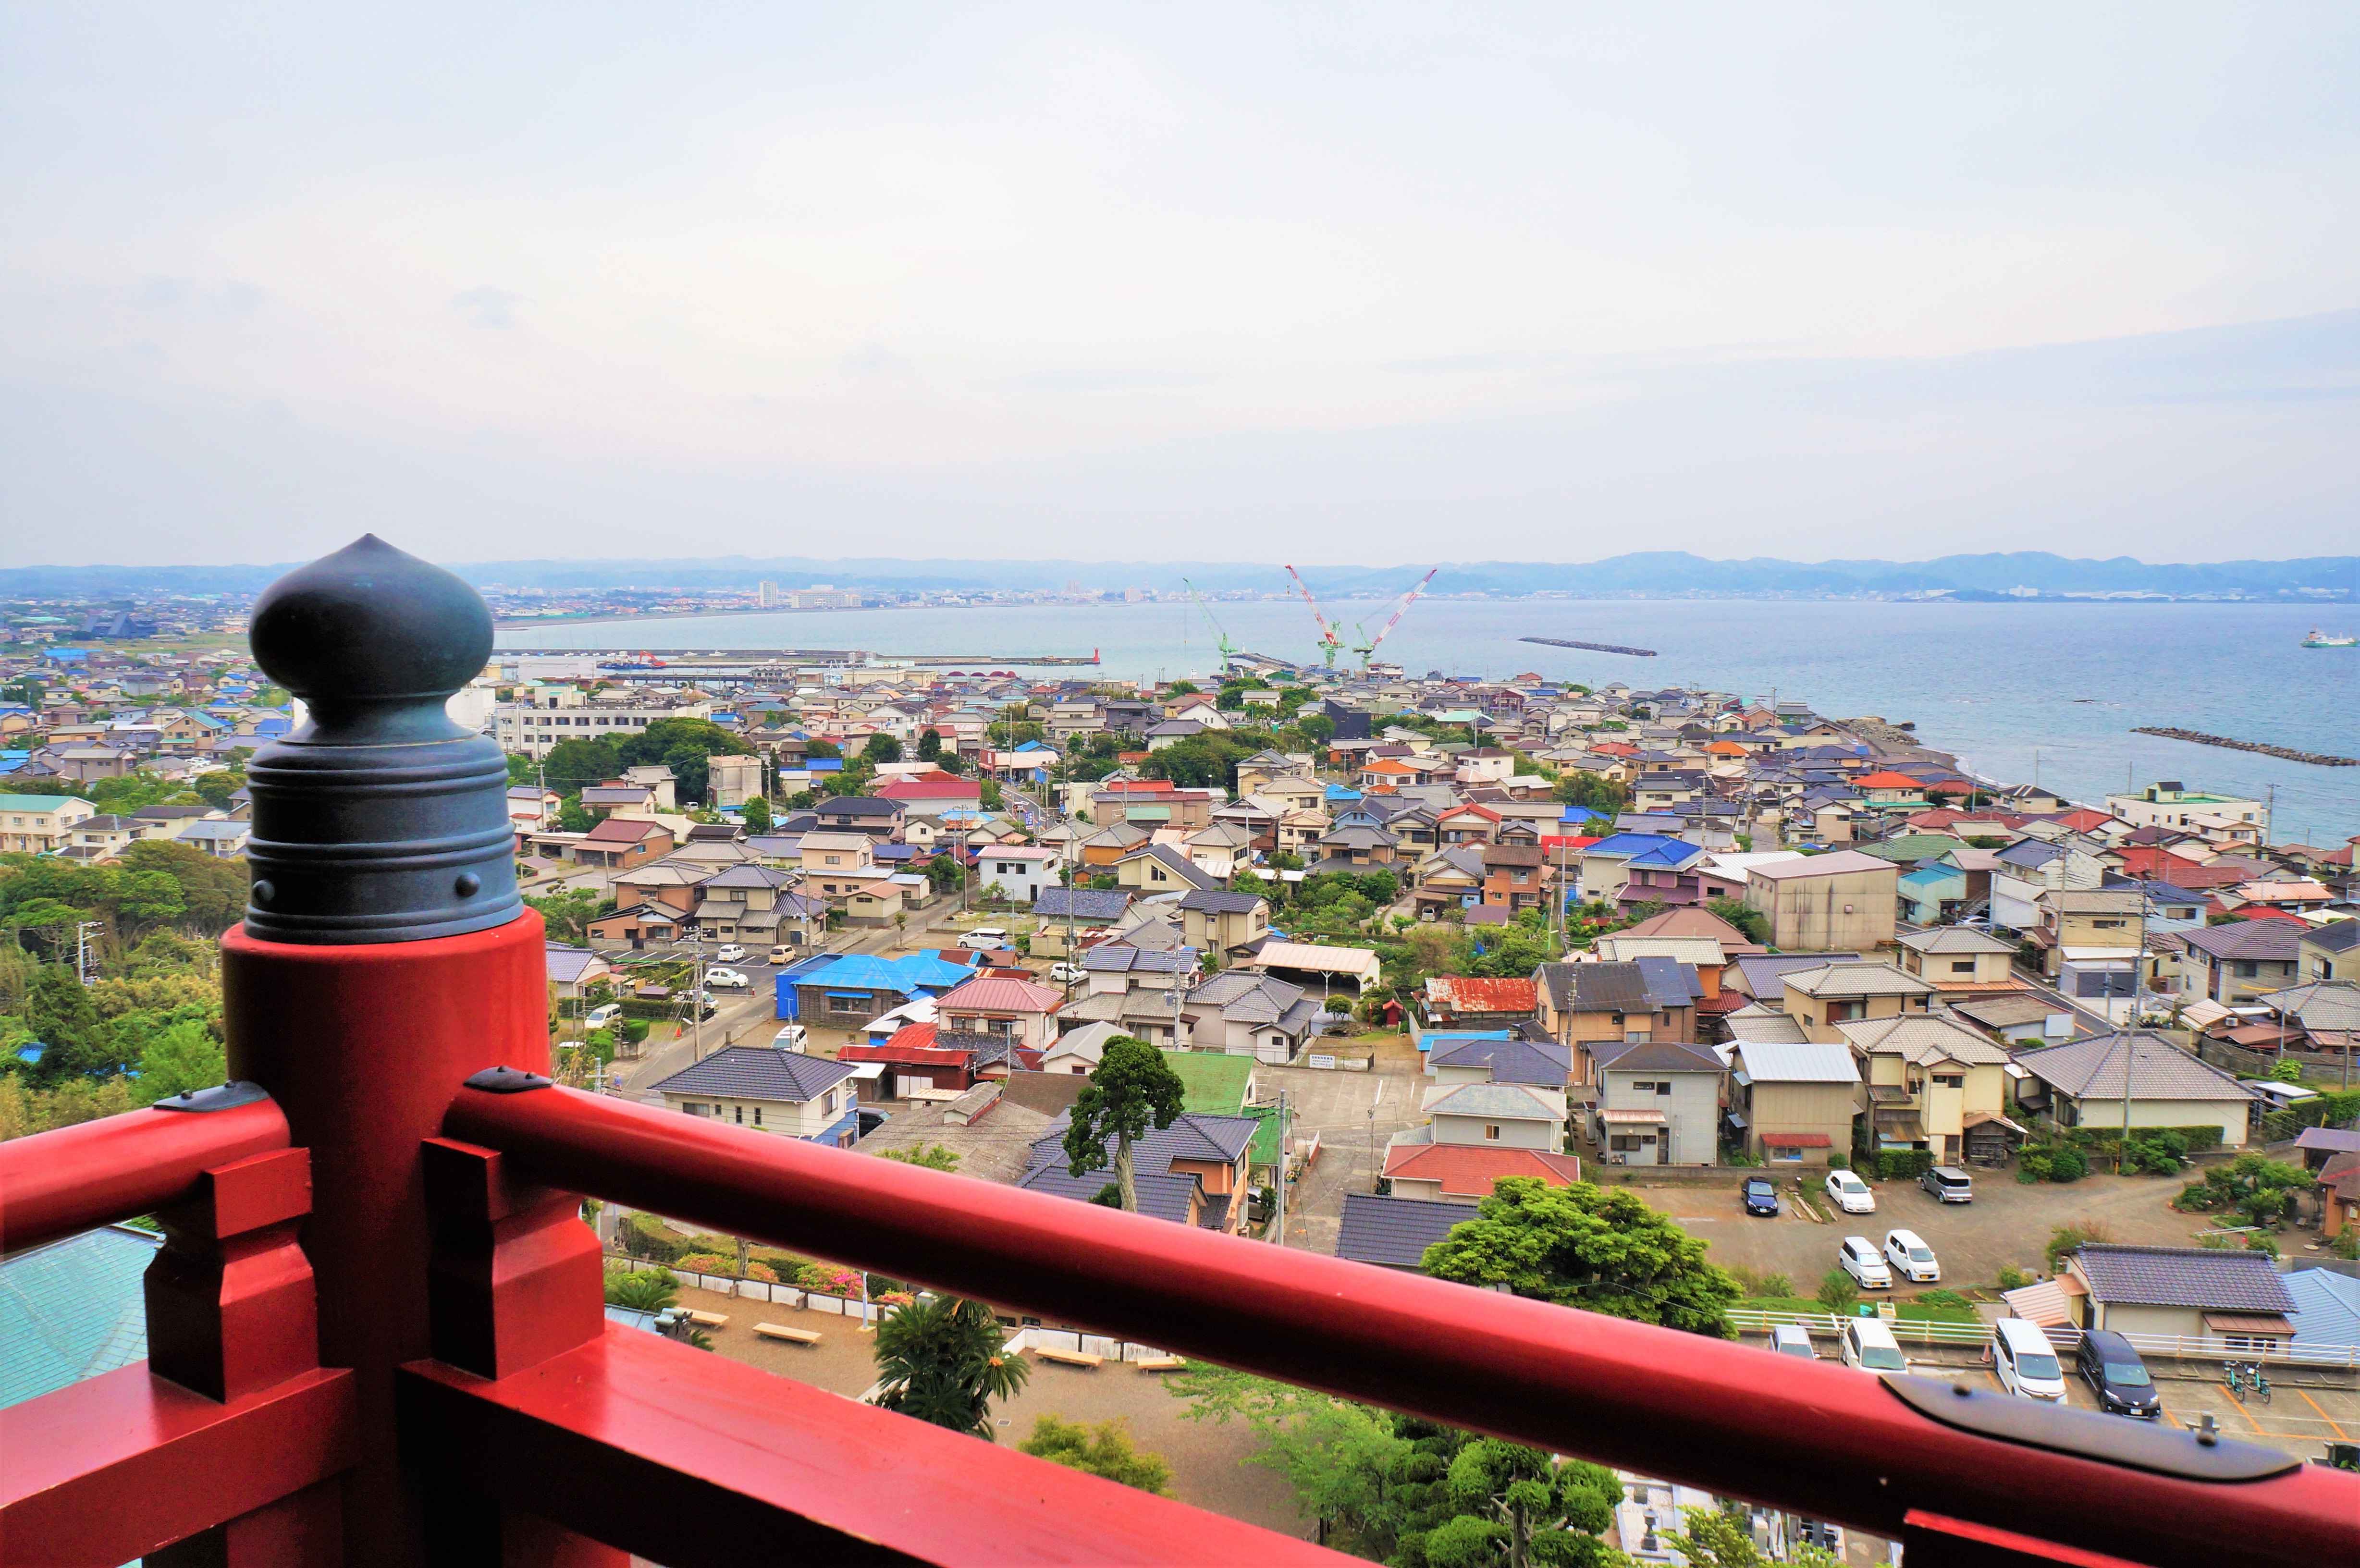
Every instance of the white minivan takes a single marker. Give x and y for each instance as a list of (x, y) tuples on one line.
[(1909, 1255), (1868, 1345), (1859, 1258), (602, 1016), (2026, 1362)]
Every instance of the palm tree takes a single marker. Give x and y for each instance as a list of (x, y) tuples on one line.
[(942, 1360)]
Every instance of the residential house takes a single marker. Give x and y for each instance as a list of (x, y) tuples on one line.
[(1659, 1103), (103, 838), (41, 824), (1215, 922), (2237, 963), (1471, 1002), (1449, 878), (1851, 991), (1453, 1176), (756, 904), (781, 1092), (1513, 1115), (1222, 850), (1590, 1008), (1935, 1083), (1792, 1102), (1016, 1011), (573, 970), (846, 991), (1023, 872), (2018, 1017), (866, 814), (876, 904), (2331, 951), (1394, 1233), (837, 865), (1193, 1172), (1821, 902), (1496, 1056), (221, 840), (2083, 1083), (1654, 861), (1063, 913), (1762, 977), (2169, 804), (620, 843), (1160, 868), (2024, 870), (931, 794), (677, 886), (2091, 941), (2236, 1300), (1515, 877), (1959, 961), (1250, 1014), (929, 1062)]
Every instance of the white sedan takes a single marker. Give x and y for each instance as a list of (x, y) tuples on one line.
[(732, 954), (1850, 1194), (728, 979)]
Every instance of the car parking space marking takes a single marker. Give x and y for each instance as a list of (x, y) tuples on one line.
[(2315, 1405)]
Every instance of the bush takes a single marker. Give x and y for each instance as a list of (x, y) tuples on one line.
[(2066, 1238), (1838, 1292), (1839, 1161), (2068, 1165), (2033, 1168), (639, 1239), (1904, 1164), (2011, 1278), (1945, 1299), (705, 1263)]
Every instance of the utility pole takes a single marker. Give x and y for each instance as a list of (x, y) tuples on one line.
[(85, 968), (1278, 1187)]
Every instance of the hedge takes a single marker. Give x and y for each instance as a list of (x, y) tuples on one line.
[(1902, 1164)]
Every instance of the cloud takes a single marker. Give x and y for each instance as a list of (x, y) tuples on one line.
[(487, 307), (1103, 381)]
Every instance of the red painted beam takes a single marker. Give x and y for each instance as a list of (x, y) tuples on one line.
[(105, 1470), (1821, 1440), (55, 1184), (700, 1462)]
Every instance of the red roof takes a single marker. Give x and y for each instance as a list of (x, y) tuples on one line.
[(932, 786), (1615, 748), (2083, 820), (1471, 994), (991, 996), (1552, 842), (1796, 1140), (1468, 1171), (1889, 779), (624, 830), (1486, 812), (913, 1043)]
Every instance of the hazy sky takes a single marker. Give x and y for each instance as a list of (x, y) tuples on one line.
[(1349, 283)]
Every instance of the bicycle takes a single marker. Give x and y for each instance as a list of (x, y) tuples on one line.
[(2261, 1385), (2236, 1383)]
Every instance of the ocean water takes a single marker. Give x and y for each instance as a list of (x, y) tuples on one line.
[(2016, 692)]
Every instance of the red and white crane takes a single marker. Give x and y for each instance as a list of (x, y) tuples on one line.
[(1331, 642), (1401, 608)]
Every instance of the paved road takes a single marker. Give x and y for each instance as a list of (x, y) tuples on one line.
[(1353, 1113)]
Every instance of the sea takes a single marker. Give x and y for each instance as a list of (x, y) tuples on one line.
[(2019, 694)]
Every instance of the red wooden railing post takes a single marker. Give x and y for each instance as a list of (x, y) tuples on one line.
[(385, 957)]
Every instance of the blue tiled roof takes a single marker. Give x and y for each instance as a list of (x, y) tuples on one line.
[(73, 1310)]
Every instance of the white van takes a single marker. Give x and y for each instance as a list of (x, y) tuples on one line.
[(1868, 1345), (602, 1017), (2026, 1362)]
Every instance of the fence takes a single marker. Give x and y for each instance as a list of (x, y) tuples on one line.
[(2317, 1067), (1910, 1331)]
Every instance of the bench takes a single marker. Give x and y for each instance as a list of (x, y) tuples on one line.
[(1162, 1363), (793, 1336), (708, 1320), (1070, 1357)]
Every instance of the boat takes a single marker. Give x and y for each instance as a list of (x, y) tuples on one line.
[(2320, 640)]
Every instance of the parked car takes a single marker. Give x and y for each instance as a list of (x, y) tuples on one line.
[(2026, 1362), (602, 1016), (985, 939), (728, 979), (1868, 1345), (1949, 1183), (1065, 973), (1910, 1258), (781, 953), (1761, 1195), (1850, 1194), (1859, 1258), (2118, 1377), (730, 954), (793, 1036), (1793, 1339)]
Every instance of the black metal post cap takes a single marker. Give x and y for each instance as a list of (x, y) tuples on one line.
[(378, 819)]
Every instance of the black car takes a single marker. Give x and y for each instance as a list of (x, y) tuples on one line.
[(1761, 1195), (2117, 1376)]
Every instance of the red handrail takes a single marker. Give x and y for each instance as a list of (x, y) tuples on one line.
[(95, 1173), (1820, 1439)]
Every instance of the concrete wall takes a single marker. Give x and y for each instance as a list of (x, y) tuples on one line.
[(1849, 911), (1528, 1133), (2229, 1114)]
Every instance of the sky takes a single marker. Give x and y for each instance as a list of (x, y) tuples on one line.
[(1352, 283)]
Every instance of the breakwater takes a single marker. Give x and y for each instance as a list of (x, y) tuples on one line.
[(1593, 646), (2319, 759)]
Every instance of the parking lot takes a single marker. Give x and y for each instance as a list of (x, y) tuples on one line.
[(2006, 1225)]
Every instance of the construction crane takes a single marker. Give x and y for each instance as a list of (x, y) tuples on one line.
[(1229, 650), (1331, 642), (1401, 608)]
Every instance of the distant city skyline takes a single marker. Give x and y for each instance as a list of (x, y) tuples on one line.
[(1340, 283)]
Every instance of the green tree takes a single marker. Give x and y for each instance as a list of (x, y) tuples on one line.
[(681, 744), (1105, 1449), (930, 744), (76, 1042), (757, 814), (1131, 1089), (1838, 1292), (1507, 1503), (568, 913), (573, 765), (1752, 922), (180, 1057), (1582, 1245), (1715, 1539), (881, 747), (933, 1157), (216, 788), (1594, 792), (943, 1360), (988, 795)]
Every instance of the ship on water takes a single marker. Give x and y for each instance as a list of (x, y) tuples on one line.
[(2320, 640)]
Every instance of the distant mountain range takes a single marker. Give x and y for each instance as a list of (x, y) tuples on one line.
[(1651, 574)]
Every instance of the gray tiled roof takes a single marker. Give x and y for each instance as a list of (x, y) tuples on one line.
[(2246, 939), (1394, 1231), (1766, 974), (1510, 1100), (758, 1072), (1213, 901), (1081, 903), (1161, 1196), (1667, 1056), (1543, 1062), (2093, 1069), (2184, 1277)]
